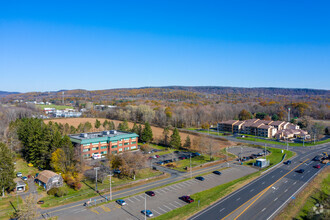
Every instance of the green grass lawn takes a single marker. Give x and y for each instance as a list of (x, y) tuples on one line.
[(195, 161), (88, 187), (221, 133), (6, 206), (315, 198), (274, 158), (22, 166), (57, 107)]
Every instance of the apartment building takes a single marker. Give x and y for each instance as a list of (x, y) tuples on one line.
[(227, 125), (102, 143), (267, 131)]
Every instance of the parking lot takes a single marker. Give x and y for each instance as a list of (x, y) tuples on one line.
[(165, 199), (244, 151)]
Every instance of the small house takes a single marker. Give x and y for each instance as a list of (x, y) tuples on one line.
[(20, 186), (48, 179)]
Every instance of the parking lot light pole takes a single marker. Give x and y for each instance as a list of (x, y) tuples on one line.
[(145, 206), (190, 168), (265, 151), (96, 169), (110, 196)]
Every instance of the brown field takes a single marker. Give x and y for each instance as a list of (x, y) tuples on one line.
[(157, 131)]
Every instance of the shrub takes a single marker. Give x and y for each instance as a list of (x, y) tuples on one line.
[(62, 191), (52, 191)]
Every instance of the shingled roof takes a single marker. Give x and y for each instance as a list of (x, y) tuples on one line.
[(45, 175)]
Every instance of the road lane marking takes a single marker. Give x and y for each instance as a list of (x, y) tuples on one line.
[(163, 191), (130, 200), (294, 183), (142, 197), (173, 205), (93, 210), (106, 209), (156, 211), (178, 203), (263, 209), (136, 198), (275, 199), (273, 176), (238, 199), (285, 181), (222, 209), (251, 190), (258, 195), (286, 190), (263, 183)]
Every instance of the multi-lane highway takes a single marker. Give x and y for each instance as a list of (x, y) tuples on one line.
[(264, 197)]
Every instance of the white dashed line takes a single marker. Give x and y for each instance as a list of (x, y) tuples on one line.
[(156, 211), (286, 190), (162, 209), (263, 183), (238, 199), (222, 209), (294, 183), (263, 209), (285, 181), (251, 190), (275, 199)]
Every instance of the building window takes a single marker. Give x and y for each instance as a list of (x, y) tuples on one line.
[(126, 139), (86, 150), (126, 144), (85, 145), (133, 142), (103, 142), (104, 147), (114, 146), (114, 142), (95, 148), (104, 152), (120, 145), (114, 152), (126, 148), (87, 155), (120, 149), (133, 147)]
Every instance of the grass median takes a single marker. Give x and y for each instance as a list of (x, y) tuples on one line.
[(307, 144)]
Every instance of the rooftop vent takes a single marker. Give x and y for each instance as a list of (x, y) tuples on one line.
[(106, 132), (113, 132), (84, 135)]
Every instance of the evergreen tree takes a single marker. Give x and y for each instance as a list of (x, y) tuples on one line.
[(112, 126), (146, 135), (275, 117), (105, 124), (7, 169), (123, 126), (140, 132), (244, 115), (135, 128), (73, 130), (97, 124), (187, 143), (175, 139), (166, 133), (87, 126)]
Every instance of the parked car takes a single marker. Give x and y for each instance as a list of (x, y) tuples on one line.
[(300, 171), (200, 178), (176, 152), (157, 156), (147, 212), (150, 158), (160, 163), (150, 193), (195, 154), (121, 202), (24, 178), (187, 199), (316, 158), (318, 166), (217, 172), (182, 158), (287, 162), (19, 174), (41, 202)]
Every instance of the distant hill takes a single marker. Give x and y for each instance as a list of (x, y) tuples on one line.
[(179, 93), (4, 93)]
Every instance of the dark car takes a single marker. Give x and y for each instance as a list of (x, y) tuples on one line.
[(176, 152), (200, 178), (316, 158), (217, 172), (41, 202), (318, 166), (157, 156), (182, 158), (121, 202), (160, 163), (148, 213), (150, 193), (24, 178), (300, 171), (187, 199), (287, 162)]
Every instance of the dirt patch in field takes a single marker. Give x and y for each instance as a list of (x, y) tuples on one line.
[(157, 131)]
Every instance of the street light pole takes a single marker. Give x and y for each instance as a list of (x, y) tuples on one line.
[(190, 167), (96, 169), (145, 206), (265, 151), (110, 196)]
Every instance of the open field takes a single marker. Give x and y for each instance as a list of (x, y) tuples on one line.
[(7, 205), (57, 107), (157, 131)]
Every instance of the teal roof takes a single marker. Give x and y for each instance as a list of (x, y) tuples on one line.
[(106, 138)]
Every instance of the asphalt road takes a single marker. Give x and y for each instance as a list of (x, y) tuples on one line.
[(267, 193)]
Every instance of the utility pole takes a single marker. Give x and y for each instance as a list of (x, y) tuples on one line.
[(265, 151), (110, 196), (241, 153), (304, 142), (190, 167), (145, 206), (226, 153), (289, 114), (63, 97), (96, 169), (287, 145)]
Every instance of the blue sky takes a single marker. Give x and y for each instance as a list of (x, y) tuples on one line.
[(53, 45)]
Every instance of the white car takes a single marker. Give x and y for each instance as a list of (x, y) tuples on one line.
[(19, 174)]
